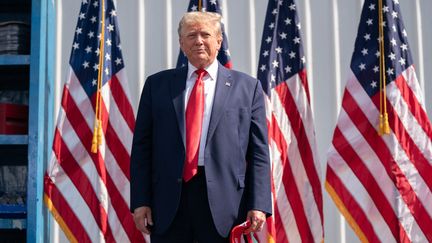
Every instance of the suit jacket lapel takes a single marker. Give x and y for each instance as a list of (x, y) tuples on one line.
[(178, 85), (224, 85)]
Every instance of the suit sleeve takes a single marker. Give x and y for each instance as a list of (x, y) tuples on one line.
[(141, 154), (257, 155)]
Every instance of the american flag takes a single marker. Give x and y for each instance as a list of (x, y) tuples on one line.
[(296, 173), (382, 183), (88, 193), (224, 56)]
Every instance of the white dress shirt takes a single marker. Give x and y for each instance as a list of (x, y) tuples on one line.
[(209, 91)]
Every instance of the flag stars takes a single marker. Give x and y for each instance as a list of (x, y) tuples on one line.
[(273, 78), (292, 7), (394, 28), (78, 31), (288, 69), (94, 82), (292, 54), (390, 71), (227, 52), (85, 64), (107, 71), (303, 59), (384, 24), (265, 53), (213, 2), (404, 32), (402, 61), (96, 66), (396, 2), (394, 14), (385, 9), (364, 51), (274, 12), (268, 40), (110, 27), (88, 49), (296, 40), (84, 1), (404, 47), (367, 36), (283, 35), (93, 19), (378, 54), (369, 22), (107, 57), (372, 7), (263, 68), (376, 69), (75, 46), (287, 21), (278, 49), (392, 56), (362, 66), (113, 13), (280, 2), (95, 4), (99, 36), (97, 52), (299, 26), (118, 61), (275, 64), (373, 84), (81, 16), (90, 34), (393, 42), (272, 25)]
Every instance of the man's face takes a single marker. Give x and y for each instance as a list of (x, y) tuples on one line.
[(200, 43)]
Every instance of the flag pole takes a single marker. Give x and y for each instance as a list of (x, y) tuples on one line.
[(97, 132), (199, 5), (384, 127)]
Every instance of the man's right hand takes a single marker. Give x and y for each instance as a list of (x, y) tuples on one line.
[(143, 219)]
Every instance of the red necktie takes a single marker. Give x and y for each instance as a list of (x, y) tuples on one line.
[(194, 119)]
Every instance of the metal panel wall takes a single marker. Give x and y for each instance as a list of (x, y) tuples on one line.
[(149, 41)]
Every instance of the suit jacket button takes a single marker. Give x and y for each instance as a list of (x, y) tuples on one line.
[(179, 180)]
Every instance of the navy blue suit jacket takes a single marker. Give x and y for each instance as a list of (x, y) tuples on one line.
[(236, 158)]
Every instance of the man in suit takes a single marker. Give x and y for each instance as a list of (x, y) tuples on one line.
[(200, 162)]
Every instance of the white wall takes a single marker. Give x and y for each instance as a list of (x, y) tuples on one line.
[(149, 42)]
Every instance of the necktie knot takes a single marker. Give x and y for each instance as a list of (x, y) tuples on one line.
[(201, 73)]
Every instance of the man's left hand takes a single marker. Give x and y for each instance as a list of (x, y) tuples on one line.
[(257, 219)]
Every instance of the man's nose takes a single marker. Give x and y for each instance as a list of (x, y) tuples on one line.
[(199, 40)]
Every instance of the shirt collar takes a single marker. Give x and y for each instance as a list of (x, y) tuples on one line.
[(211, 69)]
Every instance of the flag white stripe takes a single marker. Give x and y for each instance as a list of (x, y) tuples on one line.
[(78, 205), (301, 178), (82, 157), (401, 158), (284, 207), (298, 92), (360, 194), (375, 167), (414, 129), (411, 80), (117, 120), (121, 181)]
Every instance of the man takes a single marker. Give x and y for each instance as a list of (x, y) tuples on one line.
[(200, 162)]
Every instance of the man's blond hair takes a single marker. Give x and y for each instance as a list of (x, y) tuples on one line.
[(210, 18)]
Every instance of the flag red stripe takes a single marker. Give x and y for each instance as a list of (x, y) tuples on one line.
[(363, 174), (352, 206), (385, 156), (414, 105), (65, 211), (82, 183), (305, 150), (289, 184), (123, 104), (303, 77), (85, 135), (281, 235)]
